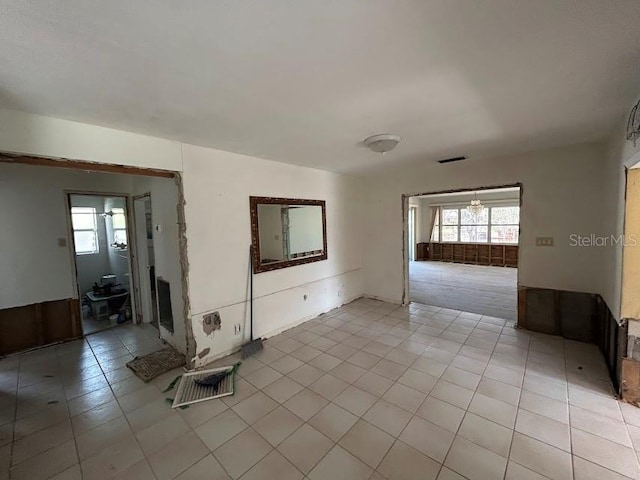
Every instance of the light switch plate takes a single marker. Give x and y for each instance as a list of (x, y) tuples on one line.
[(544, 241)]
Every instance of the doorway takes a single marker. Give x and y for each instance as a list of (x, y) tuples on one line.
[(462, 250), (100, 250), (47, 297), (147, 311)]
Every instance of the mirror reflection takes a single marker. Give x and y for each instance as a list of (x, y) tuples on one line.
[(287, 233)]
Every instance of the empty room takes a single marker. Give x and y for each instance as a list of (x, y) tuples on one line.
[(463, 250), (357, 240)]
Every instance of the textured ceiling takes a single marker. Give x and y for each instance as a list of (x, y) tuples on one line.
[(304, 82)]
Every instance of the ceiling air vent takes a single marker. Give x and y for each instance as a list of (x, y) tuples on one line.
[(452, 159)]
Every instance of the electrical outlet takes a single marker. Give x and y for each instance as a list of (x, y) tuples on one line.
[(544, 241), (237, 329)]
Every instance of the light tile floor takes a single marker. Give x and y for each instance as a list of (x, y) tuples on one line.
[(369, 391)]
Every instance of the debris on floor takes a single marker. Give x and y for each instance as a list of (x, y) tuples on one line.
[(156, 363), (205, 385)]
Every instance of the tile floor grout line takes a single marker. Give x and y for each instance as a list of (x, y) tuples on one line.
[(626, 426), (393, 323), (428, 394), (73, 433), (15, 420), (124, 414), (513, 432), (380, 358), (465, 415), (564, 358), (337, 442), (319, 460), (58, 373)]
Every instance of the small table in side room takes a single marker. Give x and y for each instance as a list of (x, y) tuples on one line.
[(100, 303)]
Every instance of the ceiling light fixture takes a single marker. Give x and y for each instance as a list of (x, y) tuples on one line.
[(475, 208), (382, 143)]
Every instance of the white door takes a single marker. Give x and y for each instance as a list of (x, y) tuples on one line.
[(144, 262)]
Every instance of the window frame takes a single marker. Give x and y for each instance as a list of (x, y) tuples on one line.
[(517, 225), (120, 211), (93, 230), (458, 226)]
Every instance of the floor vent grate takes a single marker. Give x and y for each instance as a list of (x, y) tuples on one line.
[(191, 392)]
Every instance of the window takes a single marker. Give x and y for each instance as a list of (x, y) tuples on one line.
[(496, 224), (504, 224), (474, 228), (85, 231), (119, 225), (450, 224)]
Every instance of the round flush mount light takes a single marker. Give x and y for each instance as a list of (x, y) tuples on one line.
[(382, 143)]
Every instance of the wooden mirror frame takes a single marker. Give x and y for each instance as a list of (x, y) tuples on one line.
[(258, 266)]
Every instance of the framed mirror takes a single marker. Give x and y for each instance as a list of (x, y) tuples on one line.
[(287, 232)]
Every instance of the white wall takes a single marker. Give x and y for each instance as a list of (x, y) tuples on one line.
[(52, 137), (33, 217), (562, 191), (217, 186), (164, 201), (35, 269)]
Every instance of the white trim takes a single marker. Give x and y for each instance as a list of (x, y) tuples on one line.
[(491, 203)]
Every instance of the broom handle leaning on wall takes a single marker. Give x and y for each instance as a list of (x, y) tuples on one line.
[(251, 293)]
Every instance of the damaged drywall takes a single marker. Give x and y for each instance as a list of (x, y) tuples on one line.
[(184, 264), (633, 338), (211, 322), (204, 353)]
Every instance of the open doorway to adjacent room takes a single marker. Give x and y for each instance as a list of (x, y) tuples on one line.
[(101, 255), (101, 246), (462, 250)]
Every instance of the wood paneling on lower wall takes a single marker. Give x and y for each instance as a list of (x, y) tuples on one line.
[(580, 316), (474, 253), (39, 324)]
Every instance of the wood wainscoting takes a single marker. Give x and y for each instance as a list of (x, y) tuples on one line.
[(474, 253), (580, 316), (39, 324)]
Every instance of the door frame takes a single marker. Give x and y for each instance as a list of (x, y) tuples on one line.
[(139, 267), (405, 230), (131, 244)]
